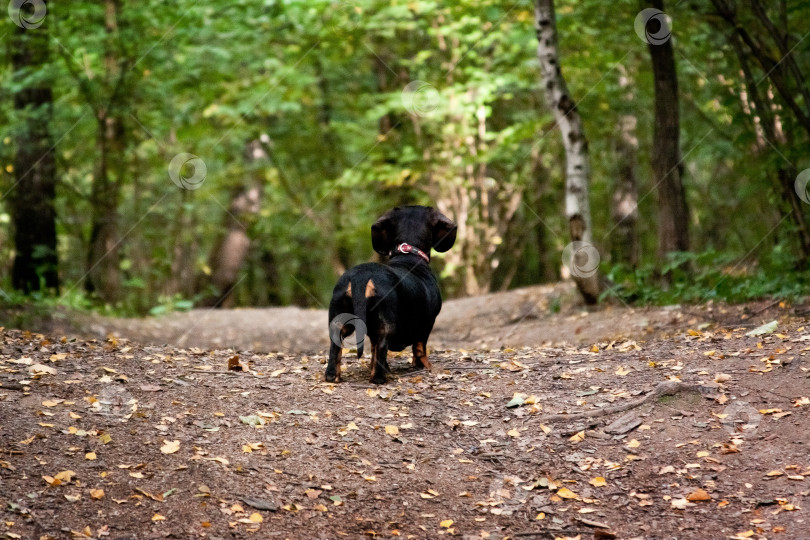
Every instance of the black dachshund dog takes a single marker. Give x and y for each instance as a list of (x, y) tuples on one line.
[(397, 303)]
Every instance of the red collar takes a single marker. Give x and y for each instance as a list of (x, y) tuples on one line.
[(407, 248)]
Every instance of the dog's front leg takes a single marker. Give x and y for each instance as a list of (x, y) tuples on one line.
[(420, 358)]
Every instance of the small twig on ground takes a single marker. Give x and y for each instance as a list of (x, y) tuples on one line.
[(666, 388)]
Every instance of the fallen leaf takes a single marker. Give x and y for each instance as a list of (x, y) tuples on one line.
[(447, 523), (566, 493), (680, 504), (598, 482), (699, 495), (170, 447), (97, 494), (577, 437), (65, 476), (766, 328), (392, 430), (158, 517)]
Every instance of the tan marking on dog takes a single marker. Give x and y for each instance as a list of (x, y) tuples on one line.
[(370, 289), (349, 290), (420, 357)]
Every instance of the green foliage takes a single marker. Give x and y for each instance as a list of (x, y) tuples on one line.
[(321, 83), (707, 276)]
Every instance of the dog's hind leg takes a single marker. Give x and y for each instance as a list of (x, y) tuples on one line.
[(379, 361), (420, 358), (337, 335)]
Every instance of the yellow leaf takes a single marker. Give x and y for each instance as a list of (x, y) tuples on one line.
[(256, 517), (513, 433), (566, 493), (97, 494), (72, 498), (622, 371), (545, 429), (595, 348), (702, 453), (158, 517), (52, 403), (90, 456), (392, 430), (65, 476), (598, 482), (633, 444), (74, 415), (578, 437), (170, 447), (775, 473), (769, 411), (447, 523), (541, 515)]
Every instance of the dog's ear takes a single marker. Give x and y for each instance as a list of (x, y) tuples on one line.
[(444, 231), (382, 234)]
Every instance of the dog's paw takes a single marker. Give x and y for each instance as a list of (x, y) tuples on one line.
[(332, 377)]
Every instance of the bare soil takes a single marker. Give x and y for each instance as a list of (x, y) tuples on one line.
[(513, 434)]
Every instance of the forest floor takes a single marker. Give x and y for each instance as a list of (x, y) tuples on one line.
[(539, 420)]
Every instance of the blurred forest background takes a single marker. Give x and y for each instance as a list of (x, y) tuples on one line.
[(158, 155)]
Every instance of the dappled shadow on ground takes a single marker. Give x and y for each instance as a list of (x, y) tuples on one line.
[(113, 439)]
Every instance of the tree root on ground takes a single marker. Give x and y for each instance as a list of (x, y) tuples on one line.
[(666, 388)]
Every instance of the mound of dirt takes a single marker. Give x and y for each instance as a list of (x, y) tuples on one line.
[(531, 316)]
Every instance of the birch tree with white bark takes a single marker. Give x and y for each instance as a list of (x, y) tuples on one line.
[(581, 256)]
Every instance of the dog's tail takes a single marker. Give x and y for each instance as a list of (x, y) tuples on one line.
[(362, 292)]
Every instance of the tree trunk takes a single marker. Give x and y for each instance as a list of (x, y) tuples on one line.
[(584, 256), (673, 214), (103, 268), (31, 198), (231, 250), (763, 109), (624, 208)]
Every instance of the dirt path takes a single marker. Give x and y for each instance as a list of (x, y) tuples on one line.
[(547, 314), (113, 439)]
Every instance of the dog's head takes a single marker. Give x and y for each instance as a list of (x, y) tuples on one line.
[(420, 226)]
